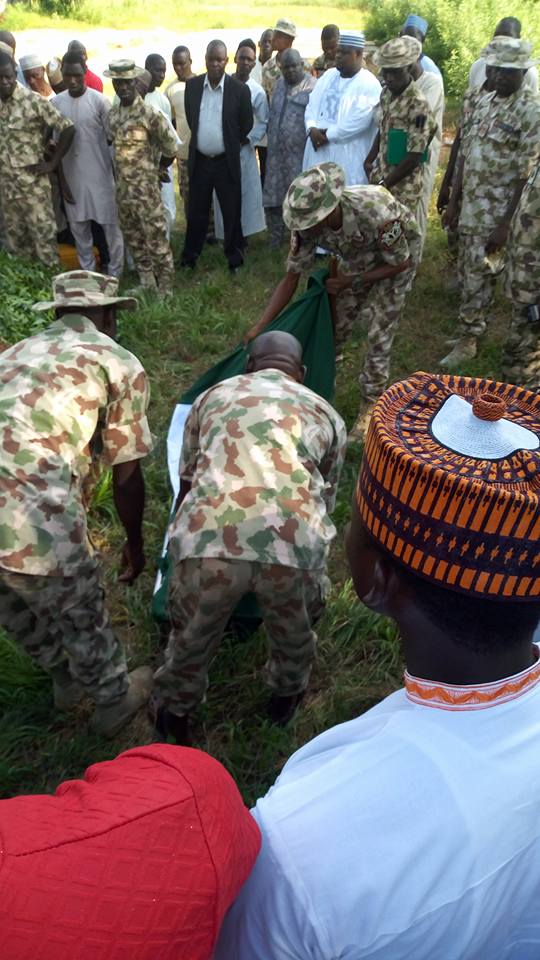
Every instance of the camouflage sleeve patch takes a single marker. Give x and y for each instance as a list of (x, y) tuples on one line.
[(390, 233)]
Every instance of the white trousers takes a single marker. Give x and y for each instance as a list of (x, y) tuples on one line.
[(82, 234)]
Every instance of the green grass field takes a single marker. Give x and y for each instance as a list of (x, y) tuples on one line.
[(358, 660), (180, 15)]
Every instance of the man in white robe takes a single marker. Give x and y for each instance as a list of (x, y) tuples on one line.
[(340, 115), (431, 85), (88, 168), (253, 219), (156, 67)]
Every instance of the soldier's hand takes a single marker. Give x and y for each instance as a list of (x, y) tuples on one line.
[(164, 177), (335, 285), (368, 167), (449, 216), (45, 167), (132, 564), (497, 238)]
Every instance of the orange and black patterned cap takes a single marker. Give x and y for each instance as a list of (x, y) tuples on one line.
[(450, 483)]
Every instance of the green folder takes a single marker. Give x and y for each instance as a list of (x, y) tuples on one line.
[(397, 148)]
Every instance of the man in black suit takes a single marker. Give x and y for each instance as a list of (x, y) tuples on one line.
[(219, 114)]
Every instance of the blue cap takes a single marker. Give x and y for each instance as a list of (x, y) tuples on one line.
[(413, 20), (352, 38)]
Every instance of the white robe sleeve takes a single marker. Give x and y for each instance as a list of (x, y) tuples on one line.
[(355, 113), (259, 102), (311, 116)]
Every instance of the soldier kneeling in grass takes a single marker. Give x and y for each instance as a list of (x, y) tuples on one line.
[(70, 394), (259, 469)]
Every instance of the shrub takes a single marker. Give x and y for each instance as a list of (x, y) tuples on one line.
[(22, 283), (458, 29)]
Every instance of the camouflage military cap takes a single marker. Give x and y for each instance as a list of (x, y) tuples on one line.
[(123, 70), (509, 53), (397, 53), (83, 288), (313, 195), (286, 26)]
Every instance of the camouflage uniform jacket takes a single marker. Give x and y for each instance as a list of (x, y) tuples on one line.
[(409, 112), (271, 73), (376, 229), (264, 454), (25, 120), (65, 395), (140, 136), (469, 103), (522, 273), (321, 64), (502, 147)]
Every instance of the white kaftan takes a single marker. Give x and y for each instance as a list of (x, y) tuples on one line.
[(160, 102), (345, 108)]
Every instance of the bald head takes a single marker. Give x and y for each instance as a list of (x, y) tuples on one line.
[(277, 351), (75, 46), (143, 83), (7, 37)]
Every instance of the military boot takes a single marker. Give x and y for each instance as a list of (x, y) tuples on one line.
[(464, 349), (67, 692), (109, 718)]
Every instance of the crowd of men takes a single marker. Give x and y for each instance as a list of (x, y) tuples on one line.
[(411, 830)]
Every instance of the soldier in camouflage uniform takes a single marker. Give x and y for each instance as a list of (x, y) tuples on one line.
[(283, 38), (499, 153), (521, 357), (26, 120), (402, 167), (329, 44), (468, 105), (259, 470), (144, 145), (69, 395), (376, 240)]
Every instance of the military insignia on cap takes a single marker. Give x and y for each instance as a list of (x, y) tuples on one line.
[(390, 233)]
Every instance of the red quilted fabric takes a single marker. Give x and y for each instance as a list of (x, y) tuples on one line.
[(138, 861)]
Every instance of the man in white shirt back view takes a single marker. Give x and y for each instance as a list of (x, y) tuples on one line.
[(413, 831)]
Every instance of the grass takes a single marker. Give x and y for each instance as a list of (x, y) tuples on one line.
[(358, 661), (182, 16)]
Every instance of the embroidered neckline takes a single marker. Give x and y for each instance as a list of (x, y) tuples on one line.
[(448, 696)]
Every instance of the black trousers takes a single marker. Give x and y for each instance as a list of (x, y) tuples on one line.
[(209, 174)]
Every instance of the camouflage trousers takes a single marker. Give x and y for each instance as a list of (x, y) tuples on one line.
[(183, 183), (204, 594), (380, 309), (29, 219), (521, 355), (63, 624), (144, 226), (477, 285)]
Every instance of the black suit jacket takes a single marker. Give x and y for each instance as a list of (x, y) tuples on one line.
[(237, 118)]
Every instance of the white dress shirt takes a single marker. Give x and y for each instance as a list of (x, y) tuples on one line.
[(210, 133), (410, 832)]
